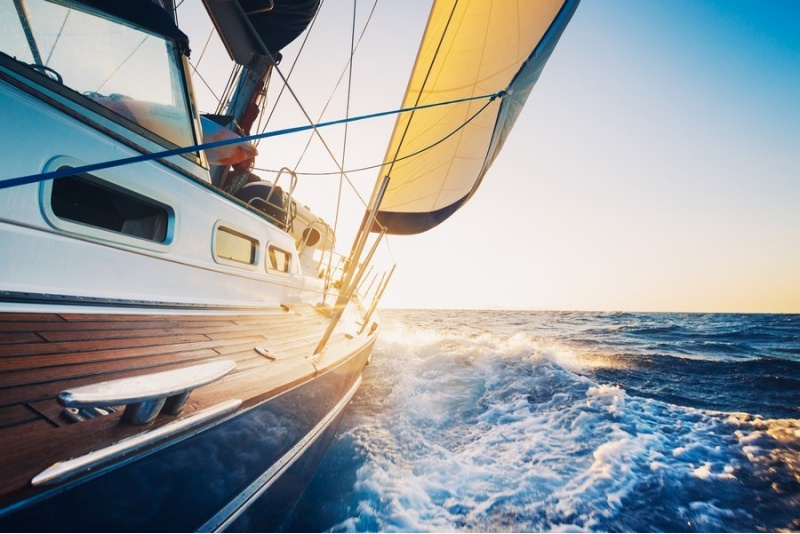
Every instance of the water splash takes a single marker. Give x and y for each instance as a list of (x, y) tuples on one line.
[(498, 428)]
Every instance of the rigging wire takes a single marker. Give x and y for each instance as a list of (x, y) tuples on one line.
[(341, 77), (396, 159), (346, 114), (202, 53), (195, 65), (291, 69), (55, 42), (424, 82), (205, 47), (136, 49), (344, 141), (68, 171), (195, 73), (228, 91), (312, 125), (229, 85)]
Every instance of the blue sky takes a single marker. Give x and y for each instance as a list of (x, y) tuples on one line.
[(656, 166)]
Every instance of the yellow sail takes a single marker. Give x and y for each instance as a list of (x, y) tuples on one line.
[(471, 48)]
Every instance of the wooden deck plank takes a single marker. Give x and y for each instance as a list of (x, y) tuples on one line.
[(19, 337), (24, 390), (51, 410), (29, 451), (80, 317), (38, 388), (23, 317), (288, 319), (256, 383), (16, 414), (47, 403), (164, 330), (46, 368), (72, 350), (239, 347), (227, 335), (33, 326), (33, 447), (10, 354)]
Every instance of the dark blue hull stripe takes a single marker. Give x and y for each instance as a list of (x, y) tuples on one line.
[(234, 509)]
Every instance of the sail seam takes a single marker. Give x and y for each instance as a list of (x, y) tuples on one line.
[(422, 87)]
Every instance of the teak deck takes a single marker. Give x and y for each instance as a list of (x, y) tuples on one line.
[(44, 354)]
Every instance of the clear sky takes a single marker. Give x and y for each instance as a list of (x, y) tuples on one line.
[(656, 166)]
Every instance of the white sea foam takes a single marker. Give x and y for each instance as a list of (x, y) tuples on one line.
[(490, 432)]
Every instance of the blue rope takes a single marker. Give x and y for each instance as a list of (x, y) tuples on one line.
[(52, 175)]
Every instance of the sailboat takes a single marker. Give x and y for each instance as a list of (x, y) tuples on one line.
[(178, 335)]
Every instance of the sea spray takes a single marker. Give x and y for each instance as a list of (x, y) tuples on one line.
[(505, 421)]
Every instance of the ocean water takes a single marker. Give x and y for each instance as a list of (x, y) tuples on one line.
[(568, 421)]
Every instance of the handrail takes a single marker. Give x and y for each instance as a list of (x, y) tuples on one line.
[(376, 298), (292, 184), (353, 273), (144, 396), (285, 219), (364, 277), (306, 237), (329, 273)]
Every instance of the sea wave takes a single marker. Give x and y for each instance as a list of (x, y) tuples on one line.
[(464, 427)]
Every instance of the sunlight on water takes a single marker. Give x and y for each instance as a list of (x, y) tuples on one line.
[(474, 425)]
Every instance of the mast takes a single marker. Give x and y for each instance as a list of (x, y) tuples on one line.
[(254, 39), (243, 107)]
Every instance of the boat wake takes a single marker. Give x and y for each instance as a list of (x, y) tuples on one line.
[(456, 428)]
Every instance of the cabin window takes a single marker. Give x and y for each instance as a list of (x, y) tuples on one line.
[(85, 199), (279, 260), (135, 74), (234, 246)]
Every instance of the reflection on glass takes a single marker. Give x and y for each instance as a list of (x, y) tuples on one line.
[(133, 73)]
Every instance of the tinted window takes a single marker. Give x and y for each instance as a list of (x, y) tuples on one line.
[(279, 260), (231, 245), (88, 200)]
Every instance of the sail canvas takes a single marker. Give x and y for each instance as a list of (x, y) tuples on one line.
[(485, 57)]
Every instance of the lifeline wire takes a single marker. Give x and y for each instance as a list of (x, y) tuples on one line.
[(388, 162), (60, 173)]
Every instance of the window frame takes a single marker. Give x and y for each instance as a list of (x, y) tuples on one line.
[(233, 230), (108, 181), (269, 265), (180, 63)]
